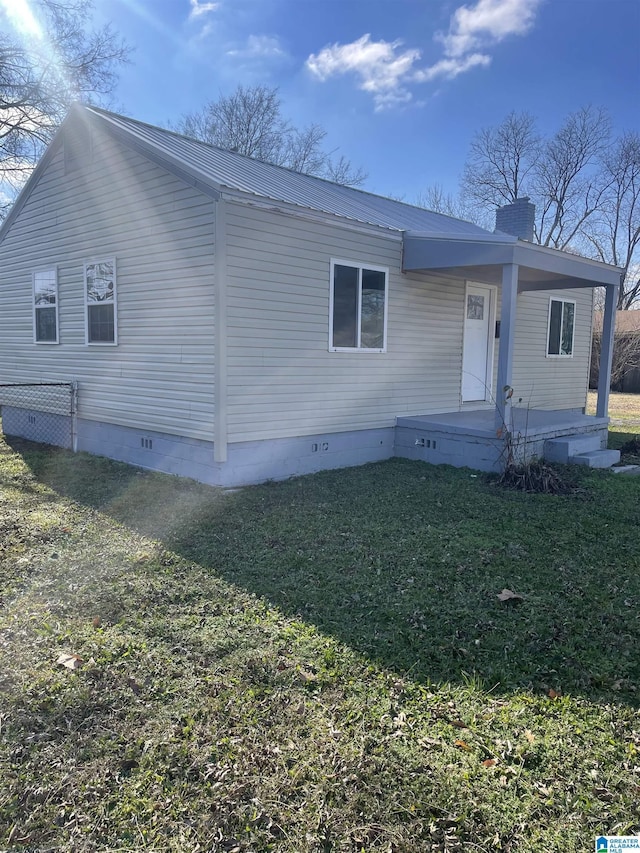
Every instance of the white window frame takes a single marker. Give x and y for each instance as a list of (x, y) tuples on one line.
[(114, 342), (359, 265), (563, 301), (36, 308)]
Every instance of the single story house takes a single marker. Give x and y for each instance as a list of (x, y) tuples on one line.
[(217, 317)]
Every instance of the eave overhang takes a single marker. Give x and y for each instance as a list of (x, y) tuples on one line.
[(483, 258)]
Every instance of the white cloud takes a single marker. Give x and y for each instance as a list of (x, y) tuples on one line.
[(387, 70), (259, 47), (449, 68), (487, 22), (200, 7), (382, 67)]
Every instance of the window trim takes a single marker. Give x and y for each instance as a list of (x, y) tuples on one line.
[(114, 342), (35, 308), (562, 301), (359, 265)]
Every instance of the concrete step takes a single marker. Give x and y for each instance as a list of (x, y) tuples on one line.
[(562, 449), (596, 458), (632, 470)]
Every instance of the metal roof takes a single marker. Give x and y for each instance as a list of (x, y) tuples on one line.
[(232, 171)]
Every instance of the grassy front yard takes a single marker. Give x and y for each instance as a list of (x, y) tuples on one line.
[(624, 409), (317, 665)]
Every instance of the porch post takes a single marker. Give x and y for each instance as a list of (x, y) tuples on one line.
[(505, 357), (606, 349)]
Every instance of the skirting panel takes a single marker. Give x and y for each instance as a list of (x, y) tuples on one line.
[(446, 448), (276, 459), (247, 462), (280, 458), (157, 451), (44, 427)]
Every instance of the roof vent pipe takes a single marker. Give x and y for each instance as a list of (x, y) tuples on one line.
[(517, 219)]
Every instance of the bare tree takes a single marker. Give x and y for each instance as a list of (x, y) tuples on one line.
[(41, 73), (437, 199), (567, 183), (614, 232), (625, 359), (586, 186), (250, 121), (501, 162)]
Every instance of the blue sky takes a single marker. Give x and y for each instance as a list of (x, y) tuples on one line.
[(400, 85)]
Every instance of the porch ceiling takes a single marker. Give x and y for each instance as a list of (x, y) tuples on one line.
[(482, 259)]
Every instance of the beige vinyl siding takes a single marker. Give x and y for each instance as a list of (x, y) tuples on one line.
[(160, 376), (556, 382), (282, 379)]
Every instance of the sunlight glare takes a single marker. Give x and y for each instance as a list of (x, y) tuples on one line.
[(22, 18)]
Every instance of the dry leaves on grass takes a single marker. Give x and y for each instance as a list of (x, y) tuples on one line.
[(509, 595), (70, 661)]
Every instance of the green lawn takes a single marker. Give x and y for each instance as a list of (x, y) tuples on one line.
[(317, 665)]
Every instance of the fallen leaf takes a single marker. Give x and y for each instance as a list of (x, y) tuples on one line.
[(462, 745), (509, 595), (70, 661), (458, 724), (489, 762), (308, 676), (529, 735)]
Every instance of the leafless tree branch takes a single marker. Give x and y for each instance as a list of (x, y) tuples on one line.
[(40, 77), (250, 121)]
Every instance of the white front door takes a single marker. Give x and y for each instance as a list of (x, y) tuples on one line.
[(477, 353)]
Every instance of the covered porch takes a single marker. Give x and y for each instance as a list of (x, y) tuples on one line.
[(483, 436)]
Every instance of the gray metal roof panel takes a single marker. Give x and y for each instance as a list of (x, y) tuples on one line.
[(244, 174)]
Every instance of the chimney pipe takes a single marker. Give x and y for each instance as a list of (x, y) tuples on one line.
[(517, 219)]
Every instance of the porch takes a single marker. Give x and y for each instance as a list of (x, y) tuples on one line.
[(471, 439), (484, 438)]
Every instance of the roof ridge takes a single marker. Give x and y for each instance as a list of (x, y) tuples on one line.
[(287, 169)]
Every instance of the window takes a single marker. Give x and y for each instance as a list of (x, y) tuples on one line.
[(561, 325), (358, 307), (100, 296), (45, 307), (475, 307)]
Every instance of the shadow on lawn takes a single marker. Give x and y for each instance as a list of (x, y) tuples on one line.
[(403, 562)]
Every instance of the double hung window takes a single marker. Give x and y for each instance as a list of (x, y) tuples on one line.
[(562, 314), (101, 302), (359, 296), (45, 307)]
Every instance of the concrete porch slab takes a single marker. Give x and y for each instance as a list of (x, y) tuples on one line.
[(481, 422), (470, 438)]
